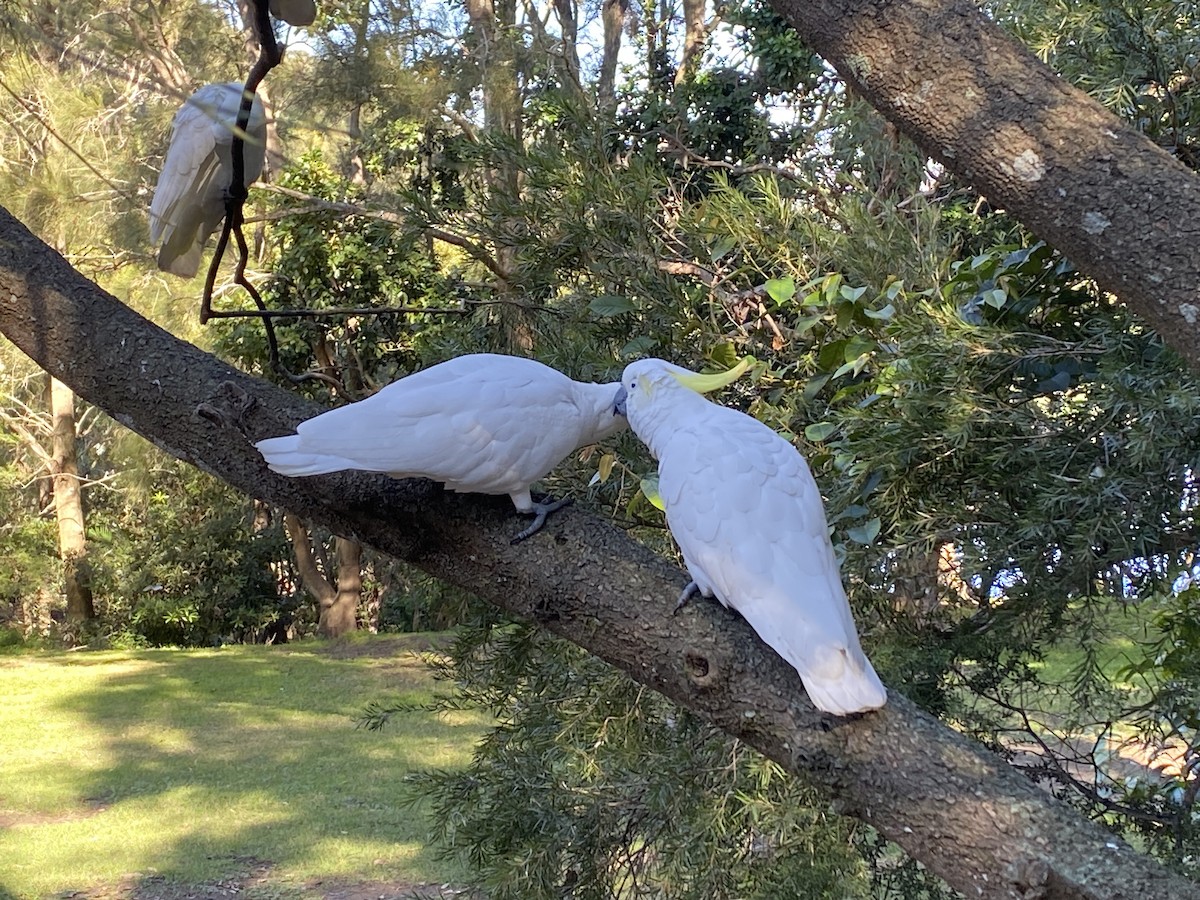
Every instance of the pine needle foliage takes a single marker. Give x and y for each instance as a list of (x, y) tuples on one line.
[(590, 786)]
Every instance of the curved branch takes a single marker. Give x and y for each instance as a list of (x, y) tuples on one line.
[(1120, 207), (957, 808)]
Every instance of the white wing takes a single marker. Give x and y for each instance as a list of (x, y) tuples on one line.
[(749, 520), (189, 200), (484, 423)]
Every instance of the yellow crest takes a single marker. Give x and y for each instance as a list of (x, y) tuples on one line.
[(702, 384)]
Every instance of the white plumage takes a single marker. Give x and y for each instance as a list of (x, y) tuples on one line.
[(748, 518), (480, 423), (189, 200)]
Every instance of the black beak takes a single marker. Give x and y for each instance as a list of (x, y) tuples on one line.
[(619, 401)]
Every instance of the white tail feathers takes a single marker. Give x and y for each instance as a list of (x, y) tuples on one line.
[(854, 690), (283, 455)]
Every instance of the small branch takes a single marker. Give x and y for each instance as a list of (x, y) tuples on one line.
[(29, 438), (461, 310), (477, 251), (690, 157)]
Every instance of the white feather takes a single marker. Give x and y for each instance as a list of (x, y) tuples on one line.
[(189, 200), (748, 518), (481, 423)]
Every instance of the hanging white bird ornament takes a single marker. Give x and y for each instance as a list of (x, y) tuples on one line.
[(189, 200), (481, 423), (748, 518)]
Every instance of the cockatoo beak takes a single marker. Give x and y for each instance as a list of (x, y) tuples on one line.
[(619, 401), (703, 384)]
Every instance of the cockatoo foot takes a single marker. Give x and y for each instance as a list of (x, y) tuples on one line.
[(539, 512), (689, 592)]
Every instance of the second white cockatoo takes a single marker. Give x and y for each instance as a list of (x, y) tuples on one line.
[(189, 200), (481, 423), (749, 520)]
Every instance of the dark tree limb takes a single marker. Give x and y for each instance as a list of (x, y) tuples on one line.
[(1121, 208), (957, 808)]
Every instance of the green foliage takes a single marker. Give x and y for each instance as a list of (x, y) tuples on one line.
[(1138, 58), (621, 794), (214, 581), (328, 259)]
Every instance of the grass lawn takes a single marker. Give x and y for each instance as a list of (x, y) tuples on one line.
[(138, 774)]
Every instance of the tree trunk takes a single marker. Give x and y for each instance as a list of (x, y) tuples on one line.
[(493, 23), (613, 13), (957, 808), (341, 615), (567, 14), (694, 34), (68, 506), (1119, 207), (337, 600)]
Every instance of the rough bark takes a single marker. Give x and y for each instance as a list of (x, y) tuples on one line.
[(568, 22), (613, 13), (960, 810), (68, 505), (1121, 208), (695, 33), (341, 616), (337, 594)]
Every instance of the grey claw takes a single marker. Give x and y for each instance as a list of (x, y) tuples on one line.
[(689, 592), (539, 512)]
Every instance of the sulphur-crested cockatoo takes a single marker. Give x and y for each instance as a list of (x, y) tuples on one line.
[(481, 423), (745, 511), (189, 201)]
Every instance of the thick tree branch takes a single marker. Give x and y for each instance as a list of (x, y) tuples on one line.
[(957, 808), (1121, 208)]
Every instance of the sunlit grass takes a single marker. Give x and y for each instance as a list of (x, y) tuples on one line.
[(186, 764)]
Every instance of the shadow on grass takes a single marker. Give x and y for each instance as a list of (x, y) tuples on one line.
[(206, 767)]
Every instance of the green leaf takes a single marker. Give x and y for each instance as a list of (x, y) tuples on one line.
[(881, 314), (721, 247), (639, 346), (856, 347), (830, 286), (995, 297), (814, 386), (781, 290), (725, 355), (850, 512), (649, 487), (852, 294), (806, 324), (865, 533), (819, 431), (608, 305)]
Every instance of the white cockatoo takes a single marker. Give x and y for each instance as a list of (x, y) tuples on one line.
[(748, 518), (480, 423), (189, 200)]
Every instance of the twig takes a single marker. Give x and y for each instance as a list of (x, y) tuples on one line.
[(477, 251)]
